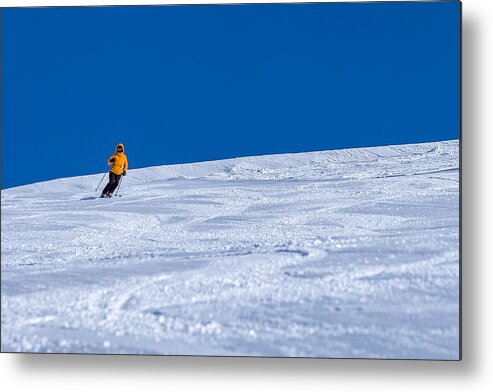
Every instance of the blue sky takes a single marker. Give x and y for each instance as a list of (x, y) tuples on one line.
[(192, 83)]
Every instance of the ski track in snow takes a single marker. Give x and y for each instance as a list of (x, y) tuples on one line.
[(345, 253)]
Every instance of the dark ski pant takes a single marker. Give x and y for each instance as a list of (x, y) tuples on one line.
[(112, 184)]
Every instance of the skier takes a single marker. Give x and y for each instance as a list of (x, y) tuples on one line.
[(119, 168)]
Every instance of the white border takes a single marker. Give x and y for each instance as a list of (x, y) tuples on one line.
[(19, 3)]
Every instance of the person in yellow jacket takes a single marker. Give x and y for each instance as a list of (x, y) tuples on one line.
[(119, 167)]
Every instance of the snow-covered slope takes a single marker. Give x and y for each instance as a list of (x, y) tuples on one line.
[(346, 253)]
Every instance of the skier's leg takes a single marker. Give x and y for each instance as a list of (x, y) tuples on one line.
[(114, 184), (108, 186)]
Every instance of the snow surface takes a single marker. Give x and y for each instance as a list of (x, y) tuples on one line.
[(345, 253)]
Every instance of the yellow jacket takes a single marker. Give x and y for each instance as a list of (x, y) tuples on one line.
[(119, 162)]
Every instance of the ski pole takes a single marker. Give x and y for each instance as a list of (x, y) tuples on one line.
[(100, 182), (117, 189)]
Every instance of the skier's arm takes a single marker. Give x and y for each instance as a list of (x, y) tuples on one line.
[(111, 160), (125, 166)]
